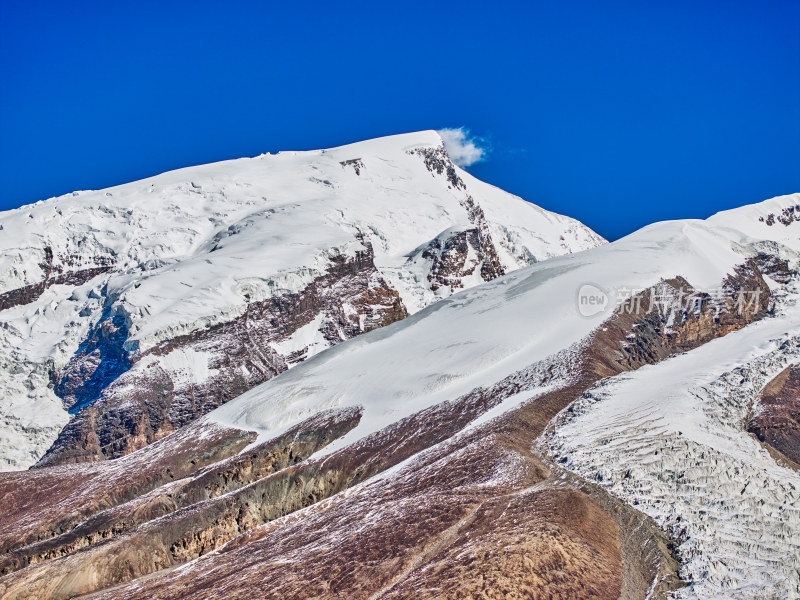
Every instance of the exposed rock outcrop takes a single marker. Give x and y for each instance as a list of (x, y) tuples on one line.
[(183, 488), (40, 504), (777, 415), (69, 270)]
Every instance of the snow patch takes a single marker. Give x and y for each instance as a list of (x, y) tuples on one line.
[(187, 366)]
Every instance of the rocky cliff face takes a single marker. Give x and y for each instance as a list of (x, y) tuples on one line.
[(128, 313)]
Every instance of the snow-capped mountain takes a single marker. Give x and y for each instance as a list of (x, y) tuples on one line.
[(156, 301), (580, 427)]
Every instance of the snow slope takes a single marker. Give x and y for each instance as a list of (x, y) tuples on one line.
[(668, 438), (190, 248)]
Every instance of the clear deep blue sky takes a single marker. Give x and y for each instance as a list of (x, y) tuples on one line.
[(616, 113)]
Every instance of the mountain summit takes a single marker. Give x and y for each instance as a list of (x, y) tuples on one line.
[(126, 313)]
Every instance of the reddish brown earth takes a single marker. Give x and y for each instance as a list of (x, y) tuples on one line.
[(777, 421), (118, 499), (449, 529), (40, 504), (478, 514), (388, 522)]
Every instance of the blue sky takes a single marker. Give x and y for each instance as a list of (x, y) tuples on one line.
[(616, 113)]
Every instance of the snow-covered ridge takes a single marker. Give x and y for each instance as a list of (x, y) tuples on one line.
[(191, 248), (477, 337)]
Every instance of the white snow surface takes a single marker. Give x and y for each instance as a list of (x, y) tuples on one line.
[(272, 221), (185, 365), (189, 245)]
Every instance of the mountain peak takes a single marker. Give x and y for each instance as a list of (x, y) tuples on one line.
[(360, 235)]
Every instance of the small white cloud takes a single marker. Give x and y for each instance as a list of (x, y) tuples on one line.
[(464, 150)]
